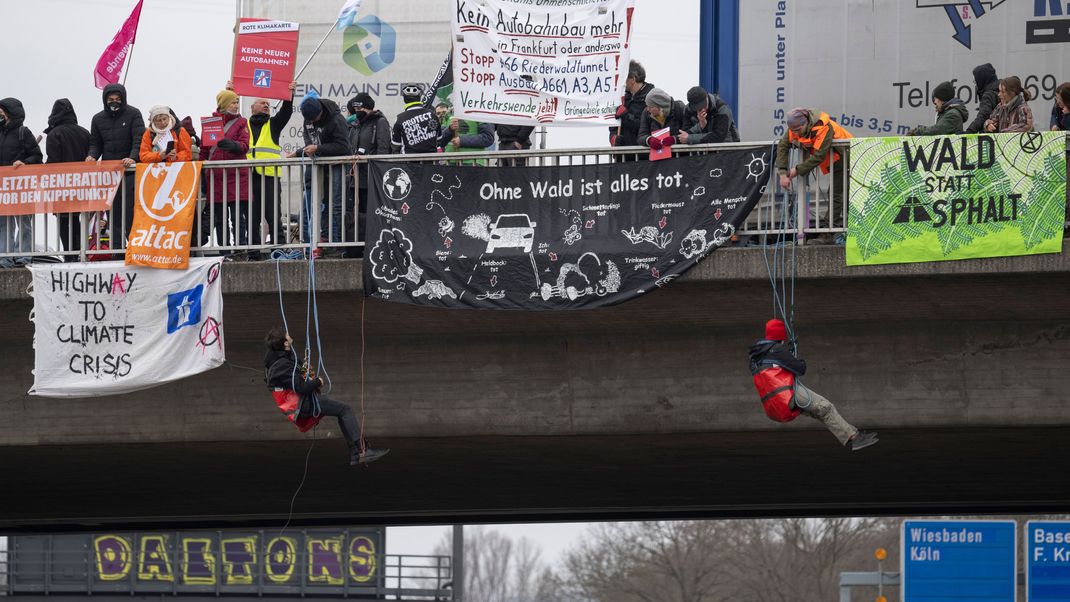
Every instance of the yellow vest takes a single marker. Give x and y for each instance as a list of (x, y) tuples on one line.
[(264, 148)]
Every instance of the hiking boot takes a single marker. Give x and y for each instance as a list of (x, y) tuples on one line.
[(862, 439), (369, 455)]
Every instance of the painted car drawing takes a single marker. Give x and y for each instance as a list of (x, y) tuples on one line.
[(512, 230)]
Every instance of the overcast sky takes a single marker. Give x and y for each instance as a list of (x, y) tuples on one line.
[(182, 58)]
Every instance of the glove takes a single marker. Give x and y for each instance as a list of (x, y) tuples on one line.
[(621, 111), (613, 138), (228, 145), (654, 143), (671, 140)]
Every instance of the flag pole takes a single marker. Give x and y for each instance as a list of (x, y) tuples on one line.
[(309, 60), (129, 62)]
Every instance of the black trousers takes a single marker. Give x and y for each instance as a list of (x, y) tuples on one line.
[(214, 216), (263, 206), (70, 232), (347, 420)]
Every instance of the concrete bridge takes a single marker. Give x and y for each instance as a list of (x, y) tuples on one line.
[(640, 410)]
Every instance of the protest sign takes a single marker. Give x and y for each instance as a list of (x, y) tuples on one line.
[(556, 61), (105, 329), (265, 58), (937, 198), (59, 187), (211, 131), (166, 196), (546, 238)]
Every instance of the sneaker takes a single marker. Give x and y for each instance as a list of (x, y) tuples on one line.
[(863, 439), (23, 261), (841, 240), (369, 455), (7, 262)]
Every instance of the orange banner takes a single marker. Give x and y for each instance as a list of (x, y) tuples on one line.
[(166, 195), (59, 187)]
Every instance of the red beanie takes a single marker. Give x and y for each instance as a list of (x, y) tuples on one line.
[(775, 330)]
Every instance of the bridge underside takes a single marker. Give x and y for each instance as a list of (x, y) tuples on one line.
[(518, 479), (637, 411)]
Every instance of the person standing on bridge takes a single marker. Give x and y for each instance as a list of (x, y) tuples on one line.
[(813, 133), (297, 393), (775, 370)]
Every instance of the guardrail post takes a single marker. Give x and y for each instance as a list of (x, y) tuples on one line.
[(458, 563), (314, 207)]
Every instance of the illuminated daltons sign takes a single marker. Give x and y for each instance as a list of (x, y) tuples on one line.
[(232, 559)]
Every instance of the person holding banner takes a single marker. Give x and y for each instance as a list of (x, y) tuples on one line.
[(465, 136), (18, 147), (632, 107), (115, 135), (814, 132), (265, 132), (66, 142), (417, 128), (298, 395), (227, 187), (165, 140)]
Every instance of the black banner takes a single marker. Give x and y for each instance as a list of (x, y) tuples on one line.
[(550, 237)]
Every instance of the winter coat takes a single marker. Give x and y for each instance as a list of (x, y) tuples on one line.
[(370, 134), (1059, 120), (17, 142), (720, 126), (330, 132), (474, 136), (416, 130), (65, 140), (987, 96), (1015, 116), (284, 380), (765, 353), (949, 120), (635, 110), (510, 135), (116, 135), (230, 184), (183, 146), (276, 122), (676, 121)]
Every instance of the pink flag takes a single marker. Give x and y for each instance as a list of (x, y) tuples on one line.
[(111, 62)]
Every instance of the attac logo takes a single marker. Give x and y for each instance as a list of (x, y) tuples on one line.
[(163, 214), (370, 45)]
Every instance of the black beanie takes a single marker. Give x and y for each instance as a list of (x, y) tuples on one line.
[(944, 92)]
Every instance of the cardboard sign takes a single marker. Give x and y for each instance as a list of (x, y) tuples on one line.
[(166, 196), (265, 58), (59, 188)]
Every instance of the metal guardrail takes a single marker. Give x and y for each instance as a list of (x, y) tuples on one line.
[(317, 204)]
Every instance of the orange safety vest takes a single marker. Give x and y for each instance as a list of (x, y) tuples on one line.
[(776, 387), (818, 132), (288, 401)]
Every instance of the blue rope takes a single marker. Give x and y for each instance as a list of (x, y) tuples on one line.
[(783, 300)]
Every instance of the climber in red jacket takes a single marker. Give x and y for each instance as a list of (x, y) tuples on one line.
[(775, 370), (298, 395)]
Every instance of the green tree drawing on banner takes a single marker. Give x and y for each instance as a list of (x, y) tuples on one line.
[(876, 214), (1043, 219)]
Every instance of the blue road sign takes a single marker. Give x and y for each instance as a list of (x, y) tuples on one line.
[(1047, 557), (956, 561)]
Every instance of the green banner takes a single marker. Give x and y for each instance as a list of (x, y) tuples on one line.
[(936, 198)]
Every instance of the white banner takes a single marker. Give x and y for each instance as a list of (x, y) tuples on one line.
[(560, 62), (105, 328)]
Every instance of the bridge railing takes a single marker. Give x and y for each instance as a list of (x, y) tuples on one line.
[(316, 205), (56, 570)]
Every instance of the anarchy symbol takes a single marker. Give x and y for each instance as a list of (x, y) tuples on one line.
[(210, 332)]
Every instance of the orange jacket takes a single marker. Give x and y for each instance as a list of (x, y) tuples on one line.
[(817, 143), (183, 146)]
